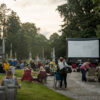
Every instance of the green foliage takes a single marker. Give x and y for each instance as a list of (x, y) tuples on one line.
[(56, 41), (80, 19), (3, 17), (97, 10), (13, 26), (29, 39), (24, 37), (98, 31)]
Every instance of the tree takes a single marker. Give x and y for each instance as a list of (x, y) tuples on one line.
[(30, 40), (56, 42), (54, 39), (13, 26), (3, 17), (80, 19), (24, 37), (42, 44), (97, 10)]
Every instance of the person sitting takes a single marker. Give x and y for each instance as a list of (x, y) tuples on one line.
[(13, 69), (74, 66), (47, 68), (1, 68), (27, 74), (22, 65), (10, 84), (9, 79), (6, 66), (52, 69), (42, 74), (32, 64)]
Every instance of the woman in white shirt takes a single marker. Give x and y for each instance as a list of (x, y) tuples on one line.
[(63, 76)]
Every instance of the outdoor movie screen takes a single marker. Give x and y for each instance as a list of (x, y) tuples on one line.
[(83, 48)]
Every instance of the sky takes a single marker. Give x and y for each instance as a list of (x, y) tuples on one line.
[(41, 12)]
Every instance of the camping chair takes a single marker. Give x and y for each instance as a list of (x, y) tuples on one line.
[(2, 93)]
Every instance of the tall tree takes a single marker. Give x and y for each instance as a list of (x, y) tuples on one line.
[(80, 19), (56, 42), (97, 10), (13, 26), (4, 11), (24, 37)]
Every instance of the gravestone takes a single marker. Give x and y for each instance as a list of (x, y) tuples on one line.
[(2, 93), (11, 92)]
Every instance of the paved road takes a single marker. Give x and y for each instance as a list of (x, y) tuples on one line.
[(77, 89)]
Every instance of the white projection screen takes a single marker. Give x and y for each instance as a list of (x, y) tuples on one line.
[(84, 48)]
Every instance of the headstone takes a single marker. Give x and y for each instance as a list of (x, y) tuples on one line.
[(2, 93), (11, 92)]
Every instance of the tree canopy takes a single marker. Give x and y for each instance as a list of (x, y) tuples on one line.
[(80, 19), (22, 37)]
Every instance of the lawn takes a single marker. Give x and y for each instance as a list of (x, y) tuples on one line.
[(35, 91)]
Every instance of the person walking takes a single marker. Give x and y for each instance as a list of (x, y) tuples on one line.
[(63, 75)]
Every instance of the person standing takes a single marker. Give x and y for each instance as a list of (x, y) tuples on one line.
[(63, 76), (83, 69)]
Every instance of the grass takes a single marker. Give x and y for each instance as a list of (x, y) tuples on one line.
[(19, 72), (35, 91), (1, 77)]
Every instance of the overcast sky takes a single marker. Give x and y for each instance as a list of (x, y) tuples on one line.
[(41, 12)]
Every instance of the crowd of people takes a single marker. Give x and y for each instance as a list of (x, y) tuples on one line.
[(41, 70), (30, 68)]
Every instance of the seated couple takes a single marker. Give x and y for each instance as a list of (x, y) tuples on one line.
[(28, 74)]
